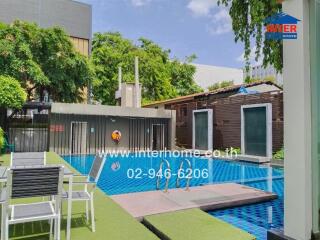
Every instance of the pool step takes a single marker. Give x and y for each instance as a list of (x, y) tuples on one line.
[(208, 197), (254, 159)]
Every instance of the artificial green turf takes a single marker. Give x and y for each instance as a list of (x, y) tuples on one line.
[(193, 224), (112, 222)]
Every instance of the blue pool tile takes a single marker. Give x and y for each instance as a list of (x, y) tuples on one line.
[(255, 219)]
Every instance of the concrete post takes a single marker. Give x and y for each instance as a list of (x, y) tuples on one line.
[(172, 130), (119, 78), (297, 126), (137, 100)]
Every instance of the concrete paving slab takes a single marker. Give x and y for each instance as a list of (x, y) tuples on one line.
[(208, 197)]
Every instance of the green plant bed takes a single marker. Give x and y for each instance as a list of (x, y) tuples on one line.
[(279, 155), (193, 224)]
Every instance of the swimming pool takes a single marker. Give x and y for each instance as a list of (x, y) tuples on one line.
[(125, 174)]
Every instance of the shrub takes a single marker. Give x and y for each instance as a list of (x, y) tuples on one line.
[(279, 154), (219, 85), (237, 150)]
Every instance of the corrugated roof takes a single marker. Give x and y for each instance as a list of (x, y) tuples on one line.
[(217, 91)]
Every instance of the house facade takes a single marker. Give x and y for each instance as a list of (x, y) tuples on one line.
[(228, 110)]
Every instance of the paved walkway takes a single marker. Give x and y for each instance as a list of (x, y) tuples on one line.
[(209, 197)]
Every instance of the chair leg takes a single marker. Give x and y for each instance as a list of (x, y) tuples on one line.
[(55, 229), (3, 219), (59, 227), (87, 211), (92, 214), (7, 229), (51, 225)]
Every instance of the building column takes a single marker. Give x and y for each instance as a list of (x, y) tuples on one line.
[(297, 126)]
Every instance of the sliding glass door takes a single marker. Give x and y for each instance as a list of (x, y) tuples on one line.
[(202, 129), (256, 130)]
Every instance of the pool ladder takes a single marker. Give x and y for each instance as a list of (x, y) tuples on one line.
[(188, 178), (167, 177)]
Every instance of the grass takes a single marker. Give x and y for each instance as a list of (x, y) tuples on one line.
[(194, 224), (112, 222)]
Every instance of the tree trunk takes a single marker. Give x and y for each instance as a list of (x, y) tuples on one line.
[(3, 118)]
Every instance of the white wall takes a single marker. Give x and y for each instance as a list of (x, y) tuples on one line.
[(297, 126), (207, 75)]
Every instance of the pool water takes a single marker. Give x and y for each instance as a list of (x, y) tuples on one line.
[(257, 218), (125, 174)]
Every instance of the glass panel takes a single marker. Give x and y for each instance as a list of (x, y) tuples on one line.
[(158, 137), (201, 130), (255, 131)]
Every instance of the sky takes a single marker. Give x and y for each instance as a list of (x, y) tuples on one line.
[(185, 27)]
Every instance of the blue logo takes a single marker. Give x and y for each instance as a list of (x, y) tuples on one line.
[(281, 26)]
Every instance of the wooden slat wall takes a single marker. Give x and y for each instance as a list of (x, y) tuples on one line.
[(136, 133), (227, 118)]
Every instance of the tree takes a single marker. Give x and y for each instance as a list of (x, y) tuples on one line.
[(12, 95), (222, 84), (43, 59), (16, 56), (182, 77), (161, 77), (248, 22)]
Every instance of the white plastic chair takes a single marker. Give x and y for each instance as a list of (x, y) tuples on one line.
[(29, 182), (87, 195)]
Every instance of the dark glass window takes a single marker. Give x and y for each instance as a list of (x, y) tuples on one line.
[(255, 131)]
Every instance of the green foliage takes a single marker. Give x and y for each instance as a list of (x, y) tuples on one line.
[(236, 150), (279, 154), (248, 25), (12, 94), (43, 59), (222, 84), (161, 77), (270, 78), (252, 80), (1, 139)]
